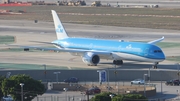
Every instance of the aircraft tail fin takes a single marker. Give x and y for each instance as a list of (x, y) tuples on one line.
[(60, 31)]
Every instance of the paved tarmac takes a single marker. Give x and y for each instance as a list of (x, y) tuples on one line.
[(26, 31)]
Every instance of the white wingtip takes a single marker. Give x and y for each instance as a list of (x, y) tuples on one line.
[(156, 41), (163, 37)]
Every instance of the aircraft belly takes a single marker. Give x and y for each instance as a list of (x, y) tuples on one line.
[(123, 56), (109, 57), (105, 57), (131, 57)]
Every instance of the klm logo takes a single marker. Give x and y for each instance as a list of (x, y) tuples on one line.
[(129, 46), (59, 29)]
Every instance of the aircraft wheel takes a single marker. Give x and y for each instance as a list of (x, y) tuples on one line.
[(118, 62), (154, 67)]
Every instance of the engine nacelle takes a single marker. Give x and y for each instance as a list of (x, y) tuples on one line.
[(90, 59)]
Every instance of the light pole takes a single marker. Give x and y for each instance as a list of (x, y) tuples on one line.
[(21, 84), (108, 78), (115, 73), (177, 70), (45, 72), (8, 74), (145, 84), (161, 81), (149, 74), (65, 89), (56, 73)]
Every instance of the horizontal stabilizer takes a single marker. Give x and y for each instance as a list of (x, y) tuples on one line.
[(41, 42), (48, 43)]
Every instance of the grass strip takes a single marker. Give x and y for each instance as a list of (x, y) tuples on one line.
[(7, 39), (158, 18)]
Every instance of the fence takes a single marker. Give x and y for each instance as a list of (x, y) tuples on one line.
[(62, 98), (77, 94)]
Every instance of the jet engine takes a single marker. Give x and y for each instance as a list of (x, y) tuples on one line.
[(90, 59)]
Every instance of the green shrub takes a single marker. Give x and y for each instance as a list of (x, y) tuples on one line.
[(132, 97), (128, 97), (118, 98), (101, 97)]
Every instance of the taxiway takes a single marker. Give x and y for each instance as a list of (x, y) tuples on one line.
[(26, 31)]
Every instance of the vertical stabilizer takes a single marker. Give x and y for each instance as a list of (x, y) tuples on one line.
[(60, 31)]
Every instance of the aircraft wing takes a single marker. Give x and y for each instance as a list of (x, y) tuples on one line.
[(156, 41), (34, 47), (79, 51)]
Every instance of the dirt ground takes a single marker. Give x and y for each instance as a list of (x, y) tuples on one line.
[(158, 18)]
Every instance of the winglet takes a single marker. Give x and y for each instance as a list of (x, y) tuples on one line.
[(156, 41), (60, 31)]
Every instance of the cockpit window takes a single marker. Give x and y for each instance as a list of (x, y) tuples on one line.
[(157, 51)]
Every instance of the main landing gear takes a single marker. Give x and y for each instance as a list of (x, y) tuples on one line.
[(118, 62), (155, 65)]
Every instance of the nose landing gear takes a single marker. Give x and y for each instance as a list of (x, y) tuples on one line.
[(155, 65)]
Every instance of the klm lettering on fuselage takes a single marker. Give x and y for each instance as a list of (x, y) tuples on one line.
[(129, 46), (59, 29)]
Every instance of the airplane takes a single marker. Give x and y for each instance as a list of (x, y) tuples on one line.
[(92, 50)]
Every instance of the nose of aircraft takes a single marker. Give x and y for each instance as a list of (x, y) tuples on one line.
[(163, 56), (159, 54)]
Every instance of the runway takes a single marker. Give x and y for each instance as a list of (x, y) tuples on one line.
[(26, 31)]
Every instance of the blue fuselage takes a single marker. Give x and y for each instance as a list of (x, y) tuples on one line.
[(133, 48)]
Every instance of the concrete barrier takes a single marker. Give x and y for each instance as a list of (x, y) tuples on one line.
[(93, 76)]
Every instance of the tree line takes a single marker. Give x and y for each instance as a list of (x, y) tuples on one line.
[(11, 86)]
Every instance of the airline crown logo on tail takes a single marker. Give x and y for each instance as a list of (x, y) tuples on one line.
[(59, 29)]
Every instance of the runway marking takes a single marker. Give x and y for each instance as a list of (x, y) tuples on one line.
[(71, 59), (138, 15), (29, 32), (42, 32)]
